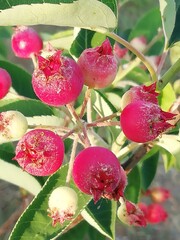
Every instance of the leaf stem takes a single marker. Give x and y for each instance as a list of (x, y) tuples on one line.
[(167, 77), (136, 52)]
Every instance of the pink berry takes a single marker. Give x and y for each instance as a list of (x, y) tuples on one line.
[(40, 152), (97, 172), (130, 214), (62, 204), (139, 43), (143, 93), (120, 52), (156, 213), (158, 194), (98, 65), (26, 41), (5, 82), (144, 121), (57, 80)]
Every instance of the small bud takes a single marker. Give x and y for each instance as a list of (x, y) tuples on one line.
[(130, 214), (62, 204), (158, 194)]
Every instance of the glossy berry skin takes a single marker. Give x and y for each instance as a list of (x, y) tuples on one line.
[(97, 172), (25, 41), (98, 65), (62, 204), (13, 125), (57, 80), (40, 152), (144, 121), (143, 93), (5, 82)]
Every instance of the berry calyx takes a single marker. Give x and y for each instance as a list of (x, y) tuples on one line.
[(57, 80), (5, 82), (130, 214), (13, 125), (97, 172), (144, 121), (62, 204), (98, 65), (40, 152), (26, 41), (143, 93)]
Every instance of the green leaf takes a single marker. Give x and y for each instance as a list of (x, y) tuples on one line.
[(91, 14), (28, 108), (172, 144), (27, 227), (168, 15), (148, 167), (133, 188), (138, 75), (166, 97), (148, 25), (175, 37), (21, 80), (102, 216), (169, 159)]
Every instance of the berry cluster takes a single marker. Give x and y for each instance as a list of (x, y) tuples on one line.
[(58, 81)]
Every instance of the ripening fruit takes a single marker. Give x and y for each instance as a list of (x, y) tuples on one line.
[(130, 214), (139, 43), (25, 41), (98, 65), (144, 121), (5, 82), (97, 172), (143, 93), (40, 152), (62, 204), (158, 194), (156, 214), (13, 126), (57, 80)]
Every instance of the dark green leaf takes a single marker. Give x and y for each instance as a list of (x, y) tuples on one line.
[(21, 80), (27, 227), (134, 185), (175, 37), (148, 25), (28, 108), (103, 214), (148, 167)]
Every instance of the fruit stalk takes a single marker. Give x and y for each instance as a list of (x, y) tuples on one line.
[(136, 52), (167, 77)]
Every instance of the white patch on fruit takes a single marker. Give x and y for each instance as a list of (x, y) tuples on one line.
[(62, 204), (13, 126)]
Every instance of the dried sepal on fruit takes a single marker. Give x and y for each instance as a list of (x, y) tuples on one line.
[(62, 204), (40, 152), (97, 172), (144, 121), (98, 65), (57, 80), (130, 214), (13, 125), (25, 42)]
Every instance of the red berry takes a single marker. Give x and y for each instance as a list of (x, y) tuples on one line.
[(143, 93), (98, 65), (26, 41), (97, 172), (62, 204), (40, 152), (156, 213), (120, 52), (144, 121), (5, 82), (57, 80), (158, 194)]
